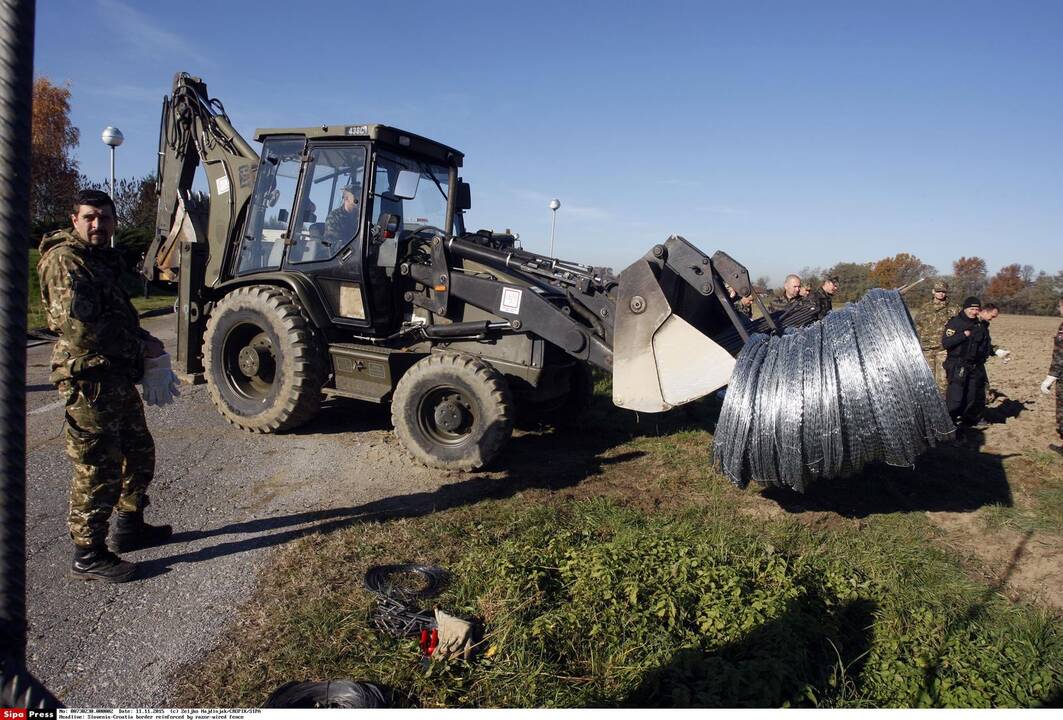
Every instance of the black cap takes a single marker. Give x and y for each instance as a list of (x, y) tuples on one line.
[(971, 301), (834, 279)]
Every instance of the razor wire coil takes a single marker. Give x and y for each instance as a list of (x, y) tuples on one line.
[(824, 400), (396, 612)]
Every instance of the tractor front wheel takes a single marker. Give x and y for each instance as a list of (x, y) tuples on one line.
[(263, 366), (452, 411)]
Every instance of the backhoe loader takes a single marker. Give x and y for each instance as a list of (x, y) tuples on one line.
[(335, 262)]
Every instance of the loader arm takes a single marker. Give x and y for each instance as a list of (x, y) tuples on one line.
[(195, 130), (652, 327)]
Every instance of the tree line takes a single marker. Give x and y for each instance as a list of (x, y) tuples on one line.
[(1015, 288)]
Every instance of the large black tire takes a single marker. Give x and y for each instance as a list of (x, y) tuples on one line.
[(263, 365), (452, 411)]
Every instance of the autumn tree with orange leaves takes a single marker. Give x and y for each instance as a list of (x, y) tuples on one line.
[(53, 170), (899, 270), (1007, 283)]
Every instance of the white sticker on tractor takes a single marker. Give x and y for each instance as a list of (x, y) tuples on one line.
[(511, 300), (222, 184)]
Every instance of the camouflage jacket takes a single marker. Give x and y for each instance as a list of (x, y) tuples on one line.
[(1056, 369), (930, 320), (823, 303), (98, 327), (341, 226)]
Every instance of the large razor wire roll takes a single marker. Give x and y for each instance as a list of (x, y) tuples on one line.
[(824, 400)]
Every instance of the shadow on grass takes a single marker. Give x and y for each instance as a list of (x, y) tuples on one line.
[(955, 477), (808, 656)]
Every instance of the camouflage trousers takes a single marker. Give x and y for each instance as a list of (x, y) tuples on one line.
[(113, 452), (1059, 408), (935, 358)]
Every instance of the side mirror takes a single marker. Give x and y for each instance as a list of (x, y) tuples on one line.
[(464, 196), (406, 185), (282, 215)]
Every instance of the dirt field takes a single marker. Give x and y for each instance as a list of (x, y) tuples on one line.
[(995, 496), (1028, 559)]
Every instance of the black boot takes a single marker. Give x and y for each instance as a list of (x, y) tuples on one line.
[(99, 563), (132, 533)]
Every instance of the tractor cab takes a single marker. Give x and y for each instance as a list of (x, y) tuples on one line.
[(339, 205)]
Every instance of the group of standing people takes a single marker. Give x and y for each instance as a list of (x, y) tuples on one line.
[(957, 343), (793, 294)]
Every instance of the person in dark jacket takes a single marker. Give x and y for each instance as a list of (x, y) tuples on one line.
[(823, 298), (967, 343)]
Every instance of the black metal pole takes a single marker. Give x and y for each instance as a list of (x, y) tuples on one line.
[(17, 687)]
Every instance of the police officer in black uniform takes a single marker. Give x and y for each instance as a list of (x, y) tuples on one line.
[(967, 343)]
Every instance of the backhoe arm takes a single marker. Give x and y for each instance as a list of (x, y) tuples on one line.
[(195, 129)]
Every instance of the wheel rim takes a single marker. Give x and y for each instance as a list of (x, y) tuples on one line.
[(249, 361), (446, 416)]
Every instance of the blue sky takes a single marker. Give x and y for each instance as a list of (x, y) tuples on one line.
[(789, 134)]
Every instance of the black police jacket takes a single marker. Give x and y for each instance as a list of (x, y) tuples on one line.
[(962, 347)]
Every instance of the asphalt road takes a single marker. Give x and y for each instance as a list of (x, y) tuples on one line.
[(232, 498)]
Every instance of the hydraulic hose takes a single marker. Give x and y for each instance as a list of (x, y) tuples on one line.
[(17, 687)]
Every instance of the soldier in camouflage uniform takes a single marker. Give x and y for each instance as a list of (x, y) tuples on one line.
[(1054, 371), (98, 357), (342, 223), (930, 319)]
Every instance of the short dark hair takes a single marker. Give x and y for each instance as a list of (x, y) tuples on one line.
[(94, 198), (991, 306)]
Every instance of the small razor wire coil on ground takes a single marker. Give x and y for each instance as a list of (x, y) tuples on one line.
[(397, 613), (824, 400)]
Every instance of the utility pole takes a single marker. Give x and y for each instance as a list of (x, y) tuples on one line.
[(112, 137), (554, 205)]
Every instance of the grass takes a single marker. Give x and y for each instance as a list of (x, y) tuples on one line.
[(649, 582), (1042, 511), (36, 318)]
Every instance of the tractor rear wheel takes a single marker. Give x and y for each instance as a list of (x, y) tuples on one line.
[(452, 411), (262, 363)]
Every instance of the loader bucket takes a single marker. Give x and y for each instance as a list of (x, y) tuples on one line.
[(675, 331)]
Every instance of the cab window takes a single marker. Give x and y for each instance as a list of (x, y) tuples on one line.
[(330, 210), (271, 205), (427, 207)]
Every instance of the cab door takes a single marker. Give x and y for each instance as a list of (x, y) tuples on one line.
[(266, 231), (328, 232)]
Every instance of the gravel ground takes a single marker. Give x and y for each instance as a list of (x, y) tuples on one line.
[(231, 497)]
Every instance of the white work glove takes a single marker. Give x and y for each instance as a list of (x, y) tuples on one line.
[(159, 385), (1002, 353), (455, 636), (1046, 386)]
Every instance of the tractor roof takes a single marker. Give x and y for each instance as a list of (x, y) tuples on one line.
[(383, 134)]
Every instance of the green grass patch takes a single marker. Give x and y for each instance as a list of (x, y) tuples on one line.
[(1042, 511), (36, 317), (596, 603)]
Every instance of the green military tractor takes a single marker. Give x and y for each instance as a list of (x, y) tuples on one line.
[(335, 262)]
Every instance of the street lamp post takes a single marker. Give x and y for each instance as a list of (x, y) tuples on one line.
[(554, 205), (112, 137)]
